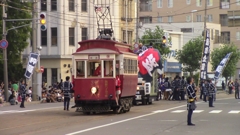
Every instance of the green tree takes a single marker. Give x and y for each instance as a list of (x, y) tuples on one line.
[(17, 38), (219, 53), (150, 36), (190, 55)]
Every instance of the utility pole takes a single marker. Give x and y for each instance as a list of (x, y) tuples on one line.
[(126, 21), (5, 65), (137, 22), (34, 50)]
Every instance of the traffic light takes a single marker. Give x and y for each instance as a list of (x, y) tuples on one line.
[(164, 41), (43, 26)]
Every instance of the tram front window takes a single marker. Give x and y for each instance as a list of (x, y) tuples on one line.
[(80, 68), (108, 68)]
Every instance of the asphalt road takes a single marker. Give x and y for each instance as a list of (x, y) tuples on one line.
[(163, 117)]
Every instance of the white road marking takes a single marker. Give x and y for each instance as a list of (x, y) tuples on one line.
[(221, 103), (216, 111), (178, 111), (198, 111), (234, 112), (21, 111), (168, 120), (159, 111)]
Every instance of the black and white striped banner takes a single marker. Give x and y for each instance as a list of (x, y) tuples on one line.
[(33, 59), (205, 56), (222, 65)]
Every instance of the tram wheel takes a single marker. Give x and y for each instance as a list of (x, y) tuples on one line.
[(86, 113)]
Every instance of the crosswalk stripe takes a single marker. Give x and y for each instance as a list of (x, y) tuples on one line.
[(215, 111), (178, 111), (198, 111), (234, 112)]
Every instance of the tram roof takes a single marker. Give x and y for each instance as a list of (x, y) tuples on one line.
[(102, 46)]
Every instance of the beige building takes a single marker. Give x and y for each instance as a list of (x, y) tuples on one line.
[(179, 40), (223, 12), (68, 22), (127, 9)]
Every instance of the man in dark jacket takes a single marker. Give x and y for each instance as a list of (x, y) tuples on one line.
[(23, 93), (66, 88)]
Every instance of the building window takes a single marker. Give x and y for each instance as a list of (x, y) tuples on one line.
[(84, 34), (199, 3), (212, 34), (84, 5), (44, 76), (225, 37), (238, 2), (146, 19), (188, 18), (54, 36), (44, 5), (160, 3), (71, 36), (209, 18), (224, 19), (44, 38), (238, 35), (129, 8), (145, 5), (54, 5), (71, 5), (170, 19), (199, 18), (130, 35), (160, 19), (54, 75), (188, 2), (209, 2), (187, 30), (170, 3), (224, 4)]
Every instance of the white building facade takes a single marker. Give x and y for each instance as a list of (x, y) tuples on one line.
[(68, 22)]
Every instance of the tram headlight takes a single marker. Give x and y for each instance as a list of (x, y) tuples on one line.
[(94, 90), (137, 88)]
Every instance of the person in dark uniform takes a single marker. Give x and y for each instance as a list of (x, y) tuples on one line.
[(182, 86), (23, 93), (236, 85), (201, 89), (191, 106), (67, 86), (204, 90), (211, 92)]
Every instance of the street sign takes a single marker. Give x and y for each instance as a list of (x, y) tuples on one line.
[(3, 44)]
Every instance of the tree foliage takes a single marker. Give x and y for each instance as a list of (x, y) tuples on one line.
[(190, 55), (219, 53), (155, 37), (16, 38)]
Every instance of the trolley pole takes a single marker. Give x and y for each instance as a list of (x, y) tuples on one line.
[(34, 50), (137, 21), (126, 21), (5, 65)]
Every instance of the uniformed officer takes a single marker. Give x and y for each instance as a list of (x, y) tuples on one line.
[(182, 86), (23, 93), (191, 106), (236, 85), (204, 90), (211, 92)]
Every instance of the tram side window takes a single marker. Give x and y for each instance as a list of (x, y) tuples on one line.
[(130, 66), (80, 68), (94, 68), (108, 68)]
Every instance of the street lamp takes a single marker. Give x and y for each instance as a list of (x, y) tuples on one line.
[(192, 20)]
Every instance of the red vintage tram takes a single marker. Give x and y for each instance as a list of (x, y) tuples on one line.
[(96, 64)]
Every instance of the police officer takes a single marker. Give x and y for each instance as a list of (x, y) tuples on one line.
[(191, 106), (211, 92), (23, 93), (236, 85), (204, 90), (177, 88), (182, 86), (67, 86)]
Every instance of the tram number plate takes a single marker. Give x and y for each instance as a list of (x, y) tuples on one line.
[(138, 97), (93, 57)]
